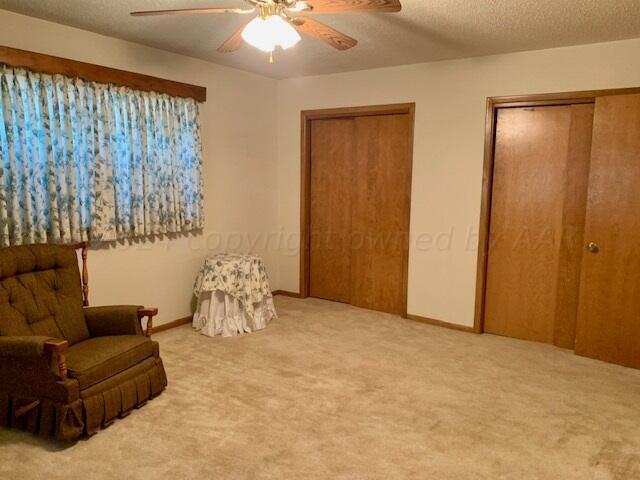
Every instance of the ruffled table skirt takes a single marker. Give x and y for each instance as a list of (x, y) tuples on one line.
[(221, 314)]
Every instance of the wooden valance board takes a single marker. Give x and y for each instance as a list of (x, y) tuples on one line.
[(51, 65)]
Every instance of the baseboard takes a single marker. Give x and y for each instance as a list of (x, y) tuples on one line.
[(415, 318), (183, 321), (440, 323), (176, 323), (286, 293)]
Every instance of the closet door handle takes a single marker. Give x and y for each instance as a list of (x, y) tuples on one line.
[(593, 247)]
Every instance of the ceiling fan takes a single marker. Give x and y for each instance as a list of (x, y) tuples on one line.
[(280, 22)]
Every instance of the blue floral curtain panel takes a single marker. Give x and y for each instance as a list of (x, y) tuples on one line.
[(87, 161)]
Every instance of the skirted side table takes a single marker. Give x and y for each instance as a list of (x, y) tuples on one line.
[(233, 295)]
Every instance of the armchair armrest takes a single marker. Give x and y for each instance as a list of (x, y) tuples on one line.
[(55, 348), (113, 320), (150, 313), (35, 367), (34, 346), (31, 346), (118, 320)]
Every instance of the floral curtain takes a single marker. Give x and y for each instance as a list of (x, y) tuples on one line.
[(88, 161)]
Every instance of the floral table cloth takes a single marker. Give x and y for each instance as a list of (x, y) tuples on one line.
[(233, 295)]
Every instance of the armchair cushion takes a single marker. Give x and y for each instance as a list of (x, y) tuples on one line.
[(97, 359), (113, 320)]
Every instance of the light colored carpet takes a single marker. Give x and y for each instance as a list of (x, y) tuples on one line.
[(329, 391)]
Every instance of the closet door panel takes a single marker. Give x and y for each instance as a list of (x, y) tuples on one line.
[(332, 157), (380, 212), (528, 196), (573, 218), (609, 313)]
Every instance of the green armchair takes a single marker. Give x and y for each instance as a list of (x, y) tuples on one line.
[(67, 369)]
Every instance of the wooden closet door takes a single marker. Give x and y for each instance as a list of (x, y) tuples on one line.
[(539, 185), (573, 219), (609, 313), (332, 157), (380, 212)]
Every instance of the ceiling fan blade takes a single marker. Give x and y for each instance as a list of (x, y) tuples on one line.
[(191, 11), (340, 6), (233, 43), (325, 33)]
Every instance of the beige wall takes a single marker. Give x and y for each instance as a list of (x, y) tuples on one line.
[(448, 153), (252, 176), (239, 164)]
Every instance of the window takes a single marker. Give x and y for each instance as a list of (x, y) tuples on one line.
[(89, 161)]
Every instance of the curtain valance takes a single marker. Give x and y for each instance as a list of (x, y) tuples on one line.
[(89, 161)]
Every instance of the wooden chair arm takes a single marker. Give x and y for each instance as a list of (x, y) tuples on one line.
[(150, 313), (55, 349)]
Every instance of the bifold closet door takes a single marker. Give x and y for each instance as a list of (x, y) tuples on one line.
[(332, 176), (541, 166), (609, 314), (360, 191), (380, 212)]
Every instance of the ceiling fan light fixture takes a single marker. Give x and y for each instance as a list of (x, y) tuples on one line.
[(268, 33)]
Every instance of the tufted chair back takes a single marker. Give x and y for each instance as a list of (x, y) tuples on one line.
[(41, 293)]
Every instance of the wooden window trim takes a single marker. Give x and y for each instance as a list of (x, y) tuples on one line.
[(51, 65), (493, 105)]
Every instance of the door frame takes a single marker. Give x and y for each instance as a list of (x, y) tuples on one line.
[(493, 105), (306, 117)]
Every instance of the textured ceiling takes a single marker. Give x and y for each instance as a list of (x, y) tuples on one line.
[(425, 30)]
